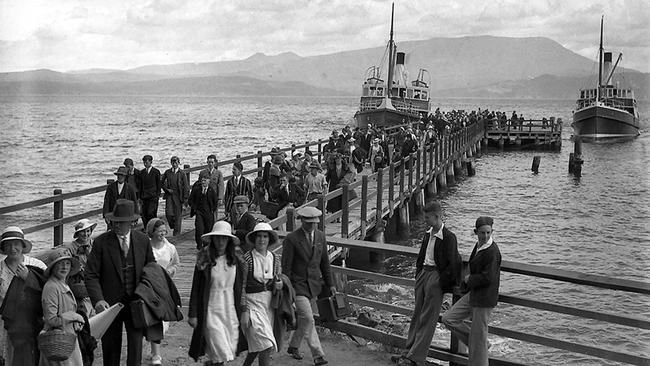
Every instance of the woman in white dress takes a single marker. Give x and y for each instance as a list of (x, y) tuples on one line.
[(216, 298), (167, 257), (16, 264), (262, 270)]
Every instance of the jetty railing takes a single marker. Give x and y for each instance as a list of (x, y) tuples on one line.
[(451, 354)]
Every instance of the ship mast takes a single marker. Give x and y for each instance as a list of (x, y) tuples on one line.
[(600, 60), (391, 47)]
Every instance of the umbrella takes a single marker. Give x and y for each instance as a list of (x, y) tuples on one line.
[(100, 322)]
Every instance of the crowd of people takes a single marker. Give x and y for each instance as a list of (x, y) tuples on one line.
[(243, 297)]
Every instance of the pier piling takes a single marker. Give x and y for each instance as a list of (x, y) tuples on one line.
[(451, 180), (471, 171), (535, 167)]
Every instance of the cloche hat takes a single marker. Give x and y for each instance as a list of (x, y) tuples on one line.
[(15, 233), (262, 227), (58, 254)]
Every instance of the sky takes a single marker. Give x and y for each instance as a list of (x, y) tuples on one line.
[(65, 35)]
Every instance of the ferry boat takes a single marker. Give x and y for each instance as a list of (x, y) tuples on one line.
[(607, 112), (393, 102)]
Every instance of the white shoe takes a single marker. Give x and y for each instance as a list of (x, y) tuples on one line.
[(156, 360)]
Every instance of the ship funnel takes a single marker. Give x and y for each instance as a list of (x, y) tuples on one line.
[(607, 65), (401, 78)]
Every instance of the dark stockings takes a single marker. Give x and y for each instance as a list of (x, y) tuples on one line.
[(264, 358)]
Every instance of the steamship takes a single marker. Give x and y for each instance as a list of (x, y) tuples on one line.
[(393, 102), (607, 112)]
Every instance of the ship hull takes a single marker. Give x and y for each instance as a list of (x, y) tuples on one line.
[(383, 117), (599, 123)]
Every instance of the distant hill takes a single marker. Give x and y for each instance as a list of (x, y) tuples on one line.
[(463, 66)]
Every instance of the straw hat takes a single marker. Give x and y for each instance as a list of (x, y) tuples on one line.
[(221, 228), (58, 254), (262, 227), (82, 225), (124, 210), (309, 214), (15, 233)]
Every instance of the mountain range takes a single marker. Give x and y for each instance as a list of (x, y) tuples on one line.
[(480, 66)]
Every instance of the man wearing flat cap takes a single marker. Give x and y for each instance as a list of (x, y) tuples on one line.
[(306, 262), (116, 190), (113, 271), (482, 284), (242, 221)]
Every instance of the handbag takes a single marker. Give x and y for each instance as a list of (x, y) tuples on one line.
[(142, 316), (56, 344), (333, 308), (269, 209)]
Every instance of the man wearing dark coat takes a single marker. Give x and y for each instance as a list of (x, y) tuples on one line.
[(176, 187), (306, 262), (237, 185), (113, 271), (437, 270), (242, 221), (149, 190), (203, 203), (116, 190)]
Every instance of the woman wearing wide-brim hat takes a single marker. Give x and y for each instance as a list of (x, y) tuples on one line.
[(262, 269), (80, 248), (216, 298), (17, 264), (59, 304)]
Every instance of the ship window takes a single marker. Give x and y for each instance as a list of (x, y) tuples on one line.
[(380, 92), (615, 92), (424, 96), (582, 94), (409, 93)]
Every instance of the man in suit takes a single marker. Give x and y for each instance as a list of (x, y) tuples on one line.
[(237, 185), (113, 271), (437, 270), (242, 221), (149, 190), (287, 195), (174, 184), (116, 190), (216, 181), (306, 262), (203, 203)]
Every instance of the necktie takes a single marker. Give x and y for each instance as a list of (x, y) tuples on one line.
[(123, 245), (205, 190)]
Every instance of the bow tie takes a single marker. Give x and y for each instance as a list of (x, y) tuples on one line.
[(83, 250)]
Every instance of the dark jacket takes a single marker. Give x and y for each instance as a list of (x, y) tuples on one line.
[(307, 267), (111, 196), (295, 196), (484, 277), (150, 184), (244, 188), (445, 254), (243, 226), (159, 292), (199, 297), (104, 267), (200, 203)]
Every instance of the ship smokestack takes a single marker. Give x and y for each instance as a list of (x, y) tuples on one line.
[(400, 71), (607, 65)]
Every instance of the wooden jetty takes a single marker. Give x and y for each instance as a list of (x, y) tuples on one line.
[(385, 201), (528, 134)]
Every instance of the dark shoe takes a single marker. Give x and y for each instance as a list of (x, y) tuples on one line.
[(395, 358), (318, 361), (295, 353), (406, 362)]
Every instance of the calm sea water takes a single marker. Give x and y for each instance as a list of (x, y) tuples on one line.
[(598, 224)]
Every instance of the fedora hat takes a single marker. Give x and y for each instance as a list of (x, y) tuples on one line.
[(15, 233), (124, 210), (262, 227), (121, 171), (309, 214), (82, 225), (58, 254), (221, 228)]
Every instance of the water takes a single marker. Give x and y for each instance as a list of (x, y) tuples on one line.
[(597, 224)]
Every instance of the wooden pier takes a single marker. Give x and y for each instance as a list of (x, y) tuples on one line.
[(526, 134), (385, 201)]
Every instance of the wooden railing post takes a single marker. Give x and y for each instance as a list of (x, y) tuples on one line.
[(321, 207), (291, 219), (320, 151), (345, 214), (391, 185), (418, 182), (58, 214), (424, 164), (186, 168), (364, 206), (259, 163), (401, 180), (380, 200), (293, 150)]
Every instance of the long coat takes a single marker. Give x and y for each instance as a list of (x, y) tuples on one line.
[(308, 267), (199, 298), (111, 196), (104, 267), (446, 256)]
